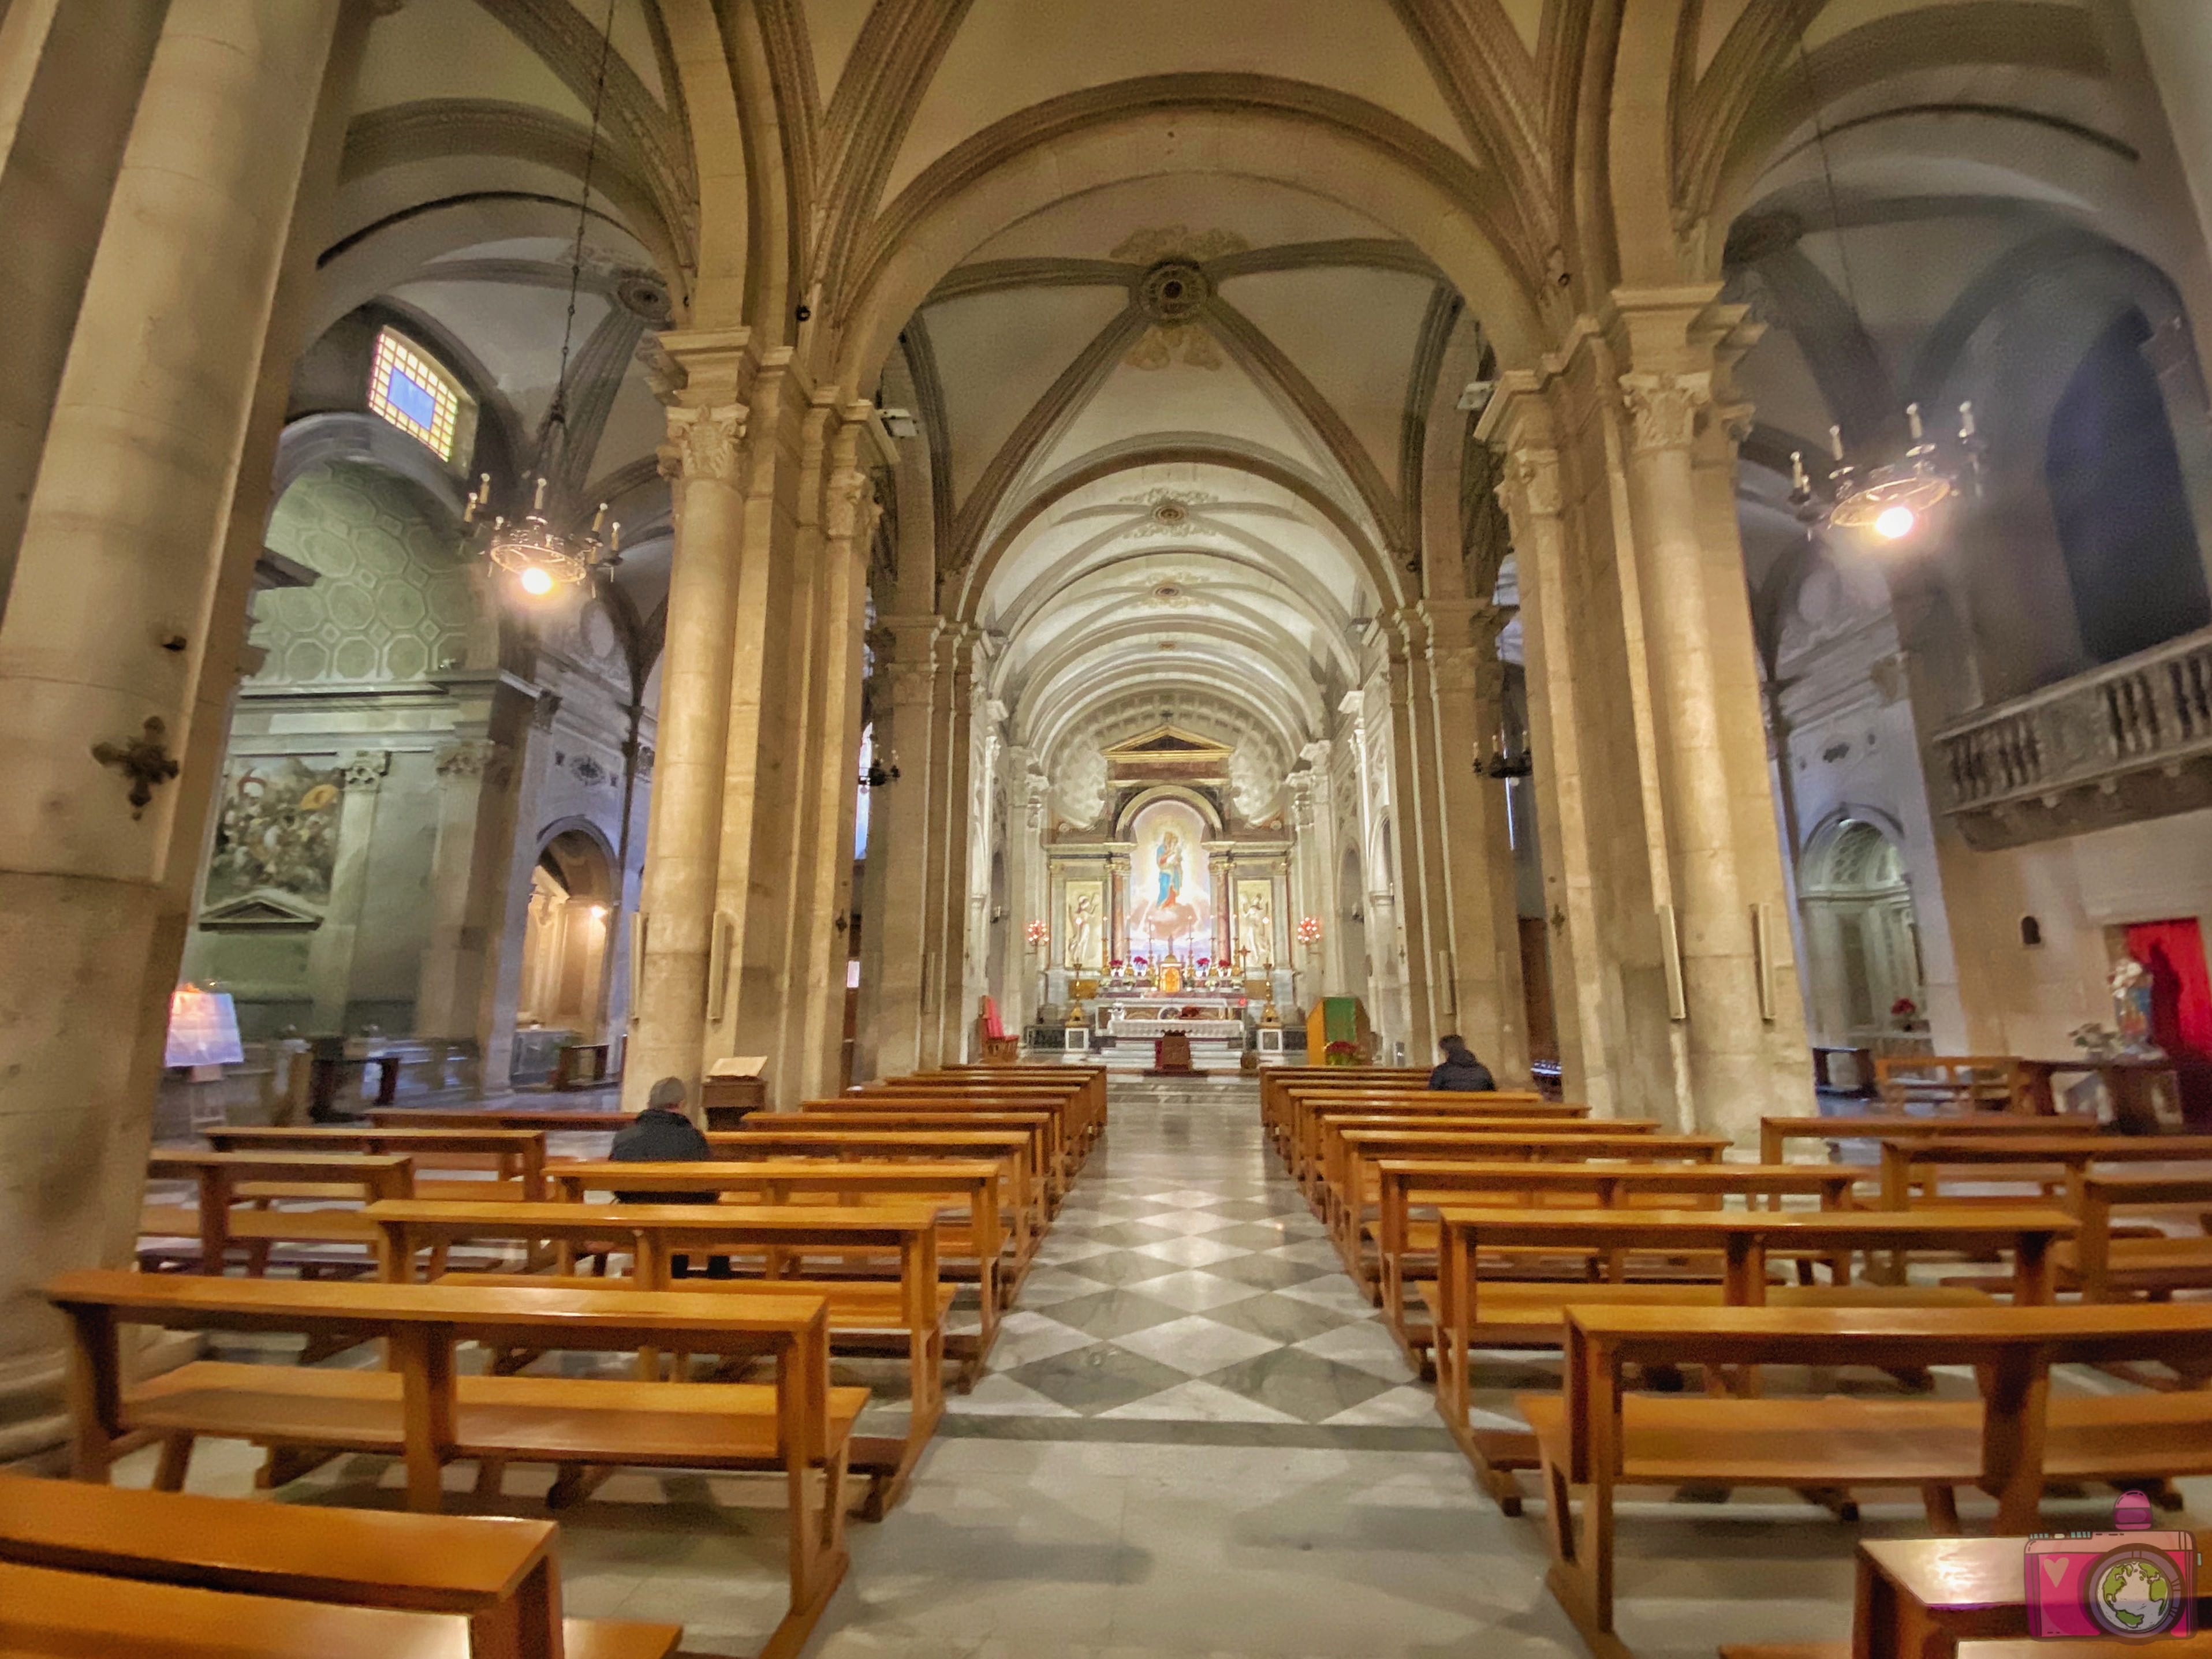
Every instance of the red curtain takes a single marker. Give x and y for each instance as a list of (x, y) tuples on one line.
[(2181, 985)]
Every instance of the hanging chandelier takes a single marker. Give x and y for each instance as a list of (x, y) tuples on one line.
[(1894, 499), (537, 552)]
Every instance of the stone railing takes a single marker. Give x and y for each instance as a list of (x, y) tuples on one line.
[(2121, 743)]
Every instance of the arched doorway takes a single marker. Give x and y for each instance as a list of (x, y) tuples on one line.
[(1860, 932), (564, 940)]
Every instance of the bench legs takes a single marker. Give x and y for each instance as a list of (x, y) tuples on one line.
[(1581, 1576), (818, 1559)]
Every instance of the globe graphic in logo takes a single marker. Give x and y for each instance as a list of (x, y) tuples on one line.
[(2135, 1591)]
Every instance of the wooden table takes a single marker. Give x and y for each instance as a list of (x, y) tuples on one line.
[(2127, 1083)]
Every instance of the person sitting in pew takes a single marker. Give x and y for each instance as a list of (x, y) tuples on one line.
[(663, 1135), (1461, 1071)]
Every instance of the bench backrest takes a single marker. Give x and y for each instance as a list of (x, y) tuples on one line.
[(972, 1183)]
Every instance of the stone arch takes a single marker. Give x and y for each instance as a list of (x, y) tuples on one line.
[(568, 928), (1861, 933), (1197, 800)]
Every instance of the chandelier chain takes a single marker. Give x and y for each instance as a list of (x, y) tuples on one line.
[(558, 414), (1828, 176)]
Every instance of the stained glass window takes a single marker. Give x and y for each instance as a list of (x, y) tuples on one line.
[(413, 393)]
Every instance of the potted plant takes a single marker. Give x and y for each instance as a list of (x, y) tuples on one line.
[(1340, 1053)]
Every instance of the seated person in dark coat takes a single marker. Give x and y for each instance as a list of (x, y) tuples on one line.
[(663, 1135), (1461, 1071)]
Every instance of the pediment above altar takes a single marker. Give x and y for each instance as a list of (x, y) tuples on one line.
[(1168, 754)]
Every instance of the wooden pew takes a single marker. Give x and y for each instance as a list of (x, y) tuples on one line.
[(1468, 1314), (1276, 1081), (1311, 1114), (1911, 1171), (1775, 1134), (861, 1316), (1597, 1437), (970, 1247), (516, 1158), (1061, 1151), (1084, 1095), (784, 1134), (1404, 1245), (127, 1573), (229, 1213), (1324, 1154), (425, 1412), (510, 1117), (2105, 1265), (1352, 1190), (1040, 1126), (1295, 1143), (1964, 1082), (1079, 1117)]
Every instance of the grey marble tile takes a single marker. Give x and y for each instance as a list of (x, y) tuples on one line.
[(1195, 1345), (1271, 1272), (1123, 1267), (1193, 1252), (1196, 1289), (1127, 1234), (1116, 1312), (1285, 1318), (1305, 1385), (1098, 1378)]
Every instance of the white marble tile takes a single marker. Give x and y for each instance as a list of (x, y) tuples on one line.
[(1413, 1406), (1367, 1346), (1183, 1197), (1025, 1335), (1063, 1246), (1195, 1345), (1198, 1401), (1191, 1252), (1186, 1221), (1336, 1292), (1322, 1252), (1045, 1286)]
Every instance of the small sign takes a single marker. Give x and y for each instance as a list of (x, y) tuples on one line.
[(738, 1065), (202, 1029)]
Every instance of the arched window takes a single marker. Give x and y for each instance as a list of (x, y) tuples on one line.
[(412, 391), (2125, 525)]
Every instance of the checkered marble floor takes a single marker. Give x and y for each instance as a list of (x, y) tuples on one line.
[(1186, 1281)]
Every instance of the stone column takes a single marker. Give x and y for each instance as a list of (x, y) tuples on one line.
[(70, 76), (329, 953), (703, 462), (122, 611), (1585, 1009), (1467, 685), (849, 527), (761, 770), (899, 831), (945, 935), (1741, 1043)]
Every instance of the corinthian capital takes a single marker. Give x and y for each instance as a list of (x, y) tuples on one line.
[(849, 508), (704, 442), (1665, 407), (1530, 488)]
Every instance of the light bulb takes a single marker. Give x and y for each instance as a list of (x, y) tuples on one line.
[(536, 582), (1895, 523)]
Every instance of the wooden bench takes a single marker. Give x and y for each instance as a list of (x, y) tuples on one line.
[(128, 1572), (1315, 1120), (1324, 1153), (1082, 1091), (1775, 1134), (512, 1117), (1041, 1127), (1297, 1144), (969, 1248), (1353, 1193), (1597, 1438), (1969, 1082), (426, 1413), (1061, 1143), (1466, 1314), (906, 1315), (2105, 1265), (1276, 1083), (1912, 1170), (1404, 1245), (783, 1135), (515, 1158), (236, 1190)]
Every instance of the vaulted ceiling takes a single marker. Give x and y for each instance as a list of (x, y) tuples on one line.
[(1181, 293)]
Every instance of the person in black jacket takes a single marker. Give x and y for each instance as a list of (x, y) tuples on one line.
[(1461, 1071), (663, 1135)]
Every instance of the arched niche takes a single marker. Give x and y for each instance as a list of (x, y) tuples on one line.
[(574, 895), (1861, 936)]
